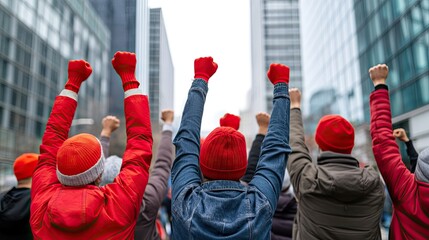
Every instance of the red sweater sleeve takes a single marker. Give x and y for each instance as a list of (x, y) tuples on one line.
[(398, 178), (133, 178), (57, 130)]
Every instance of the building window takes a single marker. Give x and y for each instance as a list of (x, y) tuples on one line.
[(40, 107), (416, 20), (409, 97), (423, 86), (38, 129), (17, 122), (4, 45), (420, 54), (406, 65), (3, 68), (2, 92), (396, 100)]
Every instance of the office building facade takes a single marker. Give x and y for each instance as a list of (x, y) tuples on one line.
[(396, 32), (161, 70), (37, 39), (275, 38)]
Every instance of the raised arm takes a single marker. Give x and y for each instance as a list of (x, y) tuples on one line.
[(386, 152), (156, 188), (109, 124), (299, 160), (58, 126), (138, 153), (401, 134), (186, 169), (263, 119), (275, 147)]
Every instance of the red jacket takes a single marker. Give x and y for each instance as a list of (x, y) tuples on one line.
[(91, 212), (410, 197)]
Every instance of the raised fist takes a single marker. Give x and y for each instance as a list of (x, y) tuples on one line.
[(378, 74), (295, 98), (263, 120), (78, 72), (278, 73), (401, 134), (124, 64), (110, 123), (167, 116), (230, 120), (204, 68)]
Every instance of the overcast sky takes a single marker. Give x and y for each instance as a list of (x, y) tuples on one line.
[(217, 28)]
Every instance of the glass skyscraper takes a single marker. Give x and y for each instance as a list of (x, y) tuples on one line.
[(37, 38), (275, 38), (396, 32)]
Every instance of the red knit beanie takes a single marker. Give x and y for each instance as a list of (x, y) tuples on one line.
[(230, 120), (336, 134), (223, 155), (80, 160), (24, 165)]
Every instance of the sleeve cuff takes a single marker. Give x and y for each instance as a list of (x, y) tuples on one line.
[(381, 86), (69, 93), (131, 92), (167, 127)]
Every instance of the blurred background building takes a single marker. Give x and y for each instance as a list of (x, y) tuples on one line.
[(275, 37), (37, 38), (342, 40)]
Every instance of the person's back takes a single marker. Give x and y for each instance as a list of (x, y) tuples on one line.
[(336, 198), (285, 213), (409, 192), (221, 207), (15, 203), (67, 201)]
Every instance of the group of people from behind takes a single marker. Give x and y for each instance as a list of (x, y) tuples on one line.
[(218, 190)]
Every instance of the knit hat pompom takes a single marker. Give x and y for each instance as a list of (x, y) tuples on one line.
[(422, 168), (223, 155), (230, 120), (24, 165), (334, 133), (80, 160)]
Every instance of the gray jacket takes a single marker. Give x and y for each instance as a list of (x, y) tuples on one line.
[(336, 198)]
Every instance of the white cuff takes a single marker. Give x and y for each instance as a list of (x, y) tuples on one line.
[(69, 93), (167, 127), (134, 91)]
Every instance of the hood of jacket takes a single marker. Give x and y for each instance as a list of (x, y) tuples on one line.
[(14, 207), (73, 209), (341, 178)]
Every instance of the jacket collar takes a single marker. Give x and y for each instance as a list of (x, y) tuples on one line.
[(338, 158)]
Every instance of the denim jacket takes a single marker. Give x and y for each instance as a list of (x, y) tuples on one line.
[(224, 209)]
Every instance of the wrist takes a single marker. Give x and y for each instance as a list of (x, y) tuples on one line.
[(295, 105), (379, 81), (263, 130), (106, 133)]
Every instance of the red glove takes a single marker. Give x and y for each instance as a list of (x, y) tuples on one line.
[(204, 68), (78, 71), (124, 64), (278, 73), (230, 120)]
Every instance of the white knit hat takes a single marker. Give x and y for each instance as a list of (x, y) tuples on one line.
[(422, 168)]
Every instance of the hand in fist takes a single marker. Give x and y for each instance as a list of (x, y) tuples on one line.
[(124, 62), (204, 68), (167, 116), (295, 98), (78, 72), (110, 124), (263, 120), (278, 73), (401, 134), (378, 74)]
